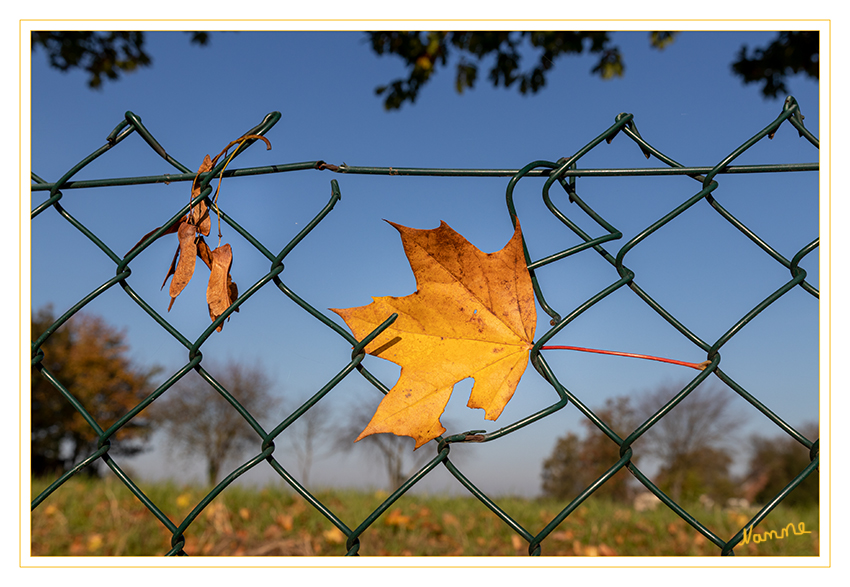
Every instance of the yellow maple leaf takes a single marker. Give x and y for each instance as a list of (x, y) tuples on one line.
[(472, 315)]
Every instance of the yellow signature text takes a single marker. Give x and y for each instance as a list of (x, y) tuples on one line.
[(799, 530)]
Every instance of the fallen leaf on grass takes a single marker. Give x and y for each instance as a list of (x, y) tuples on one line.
[(396, 518), (272, 532), (219, 516), (285, 521), (563, 535), (183, 500), (77, 548), (472, 315), (95, 541), (334, 536)]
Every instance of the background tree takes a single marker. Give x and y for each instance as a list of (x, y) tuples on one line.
[(791, 52), (564, 475), (90, 359), (309, 438), (396, 453), (99, 53), (691, 442), (703, 472), (424, 53), (774, 463), (577, 462), (200, 422)]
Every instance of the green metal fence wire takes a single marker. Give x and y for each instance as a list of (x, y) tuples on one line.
[(563, 173)]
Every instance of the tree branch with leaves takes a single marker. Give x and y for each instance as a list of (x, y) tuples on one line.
[(100, 54), (91, 360), (109, 54), (425, 52)]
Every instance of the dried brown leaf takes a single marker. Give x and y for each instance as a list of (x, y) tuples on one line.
[(200, 213), (218, 289), (204, 252), (171, 268), (201, 218), (186, 261), (171, 229), (232, 290)]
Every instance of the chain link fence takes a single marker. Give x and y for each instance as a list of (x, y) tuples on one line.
[(562, 174)]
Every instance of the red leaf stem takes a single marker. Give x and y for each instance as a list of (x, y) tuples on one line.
[(698, 366)]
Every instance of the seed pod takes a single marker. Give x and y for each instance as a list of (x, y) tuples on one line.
[(200, 213), (218, 290), (186, 262)]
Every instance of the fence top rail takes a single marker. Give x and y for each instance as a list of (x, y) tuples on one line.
[(426, 171)]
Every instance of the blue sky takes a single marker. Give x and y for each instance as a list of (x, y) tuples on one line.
[(685, 102)]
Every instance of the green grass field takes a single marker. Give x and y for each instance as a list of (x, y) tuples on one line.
[(102, 518)]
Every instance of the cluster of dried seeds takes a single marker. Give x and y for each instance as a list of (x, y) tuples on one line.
[(191, 230)]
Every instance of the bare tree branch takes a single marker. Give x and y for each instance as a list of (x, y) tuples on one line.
[(199, 421)]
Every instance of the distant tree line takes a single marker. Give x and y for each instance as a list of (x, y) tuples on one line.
[(691, 450), (86, 364)]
